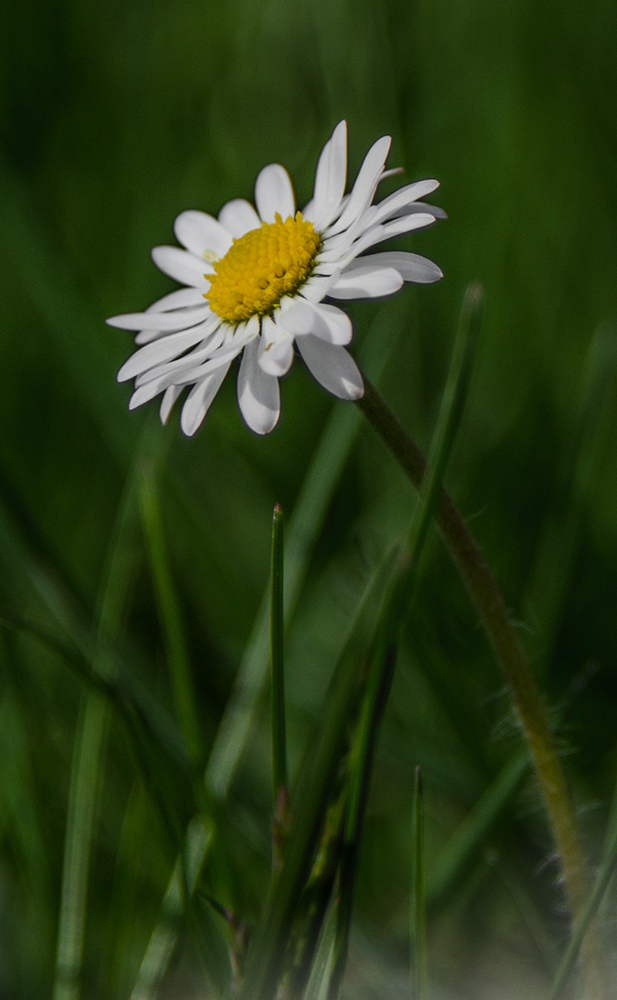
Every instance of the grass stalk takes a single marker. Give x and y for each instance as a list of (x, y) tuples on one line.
[(171, 619), (419, 954), (277, 685)]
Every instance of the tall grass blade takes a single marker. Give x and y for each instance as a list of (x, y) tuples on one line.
[(469, 837), (266, 958), (419, 951), (182, 687), (277, 659), (277, 685), (88, 756), (361, 762)]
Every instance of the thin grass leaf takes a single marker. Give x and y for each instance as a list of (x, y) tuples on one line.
[(323, 964), (361, 762), (183, 691), (450, 414), (277, 660), (182, 884), (558, 545), (419, 951), (455, 857), (89, 754), (266, 959)]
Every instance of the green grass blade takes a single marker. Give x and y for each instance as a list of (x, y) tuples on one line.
[(450, 413), (323, 964), (419, 952), (88, 755), (182, 688), (361, 761), (277, 660), (267, 952), (469, 837)]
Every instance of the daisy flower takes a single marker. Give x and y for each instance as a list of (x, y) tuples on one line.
[(255, 281)]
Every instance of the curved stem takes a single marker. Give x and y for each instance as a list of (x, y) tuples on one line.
[(514, 663)]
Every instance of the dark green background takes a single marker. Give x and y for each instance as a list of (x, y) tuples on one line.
[(116, 117)]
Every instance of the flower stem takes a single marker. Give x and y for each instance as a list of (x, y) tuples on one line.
[(514, 663)]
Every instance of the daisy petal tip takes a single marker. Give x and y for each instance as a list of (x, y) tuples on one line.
[(354, 390)]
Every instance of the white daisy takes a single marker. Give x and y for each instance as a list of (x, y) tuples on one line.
[(255, 281)]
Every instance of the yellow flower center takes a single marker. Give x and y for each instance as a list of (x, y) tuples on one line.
[(261, 267)]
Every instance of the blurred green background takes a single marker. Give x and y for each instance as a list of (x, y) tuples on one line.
[(116, 117)]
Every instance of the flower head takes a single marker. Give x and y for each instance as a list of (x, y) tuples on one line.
[(255, 282)]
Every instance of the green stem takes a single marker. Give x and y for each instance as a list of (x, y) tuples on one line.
[(512, 659)]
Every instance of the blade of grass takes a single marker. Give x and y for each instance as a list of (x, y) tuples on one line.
[(266, 958), (89, 754), (419, 953), (182, 687), (361, 762), (277, 686), (469, 837)]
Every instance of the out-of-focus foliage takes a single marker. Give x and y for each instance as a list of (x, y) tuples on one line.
[(114, 118)]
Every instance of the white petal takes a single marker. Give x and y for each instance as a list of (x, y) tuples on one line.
[(341, 256), (156, 353), (394, 203), (295, 316), (411, 266), (183, 266), (238, 217), (201, 234), (406, 224), (332, 324), (367, 283), (177, 300), (199, 399), (169, 398), (180, 319), (193, 367), (211, 322), (174, 371), (274, 193), (258, 392), (144, 393), (318, 285), (276, 358), (365, 185), (332, 367), (330, 178), (421, 206)]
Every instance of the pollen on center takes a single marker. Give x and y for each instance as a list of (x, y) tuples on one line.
[(261, 267)]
